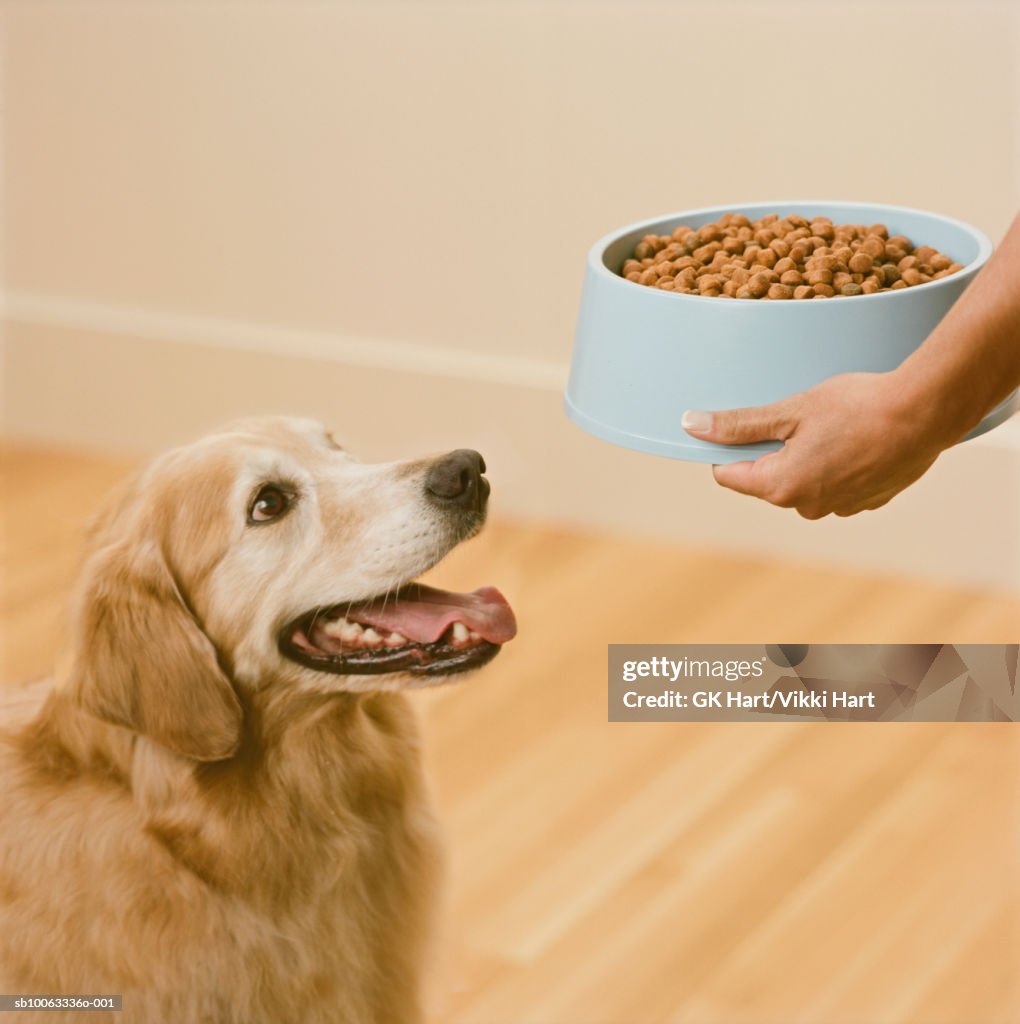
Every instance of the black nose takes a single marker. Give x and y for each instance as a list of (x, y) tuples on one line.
[(456, 481)]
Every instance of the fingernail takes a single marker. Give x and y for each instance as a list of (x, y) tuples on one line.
[(699, 422)]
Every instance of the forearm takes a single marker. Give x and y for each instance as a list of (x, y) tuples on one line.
[(971, 361)]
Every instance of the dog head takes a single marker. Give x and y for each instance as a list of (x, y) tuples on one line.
[(264, 555)]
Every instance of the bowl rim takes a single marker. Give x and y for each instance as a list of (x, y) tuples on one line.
[(598, 266)]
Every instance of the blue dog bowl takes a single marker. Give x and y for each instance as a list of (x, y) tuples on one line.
[(643, 356)]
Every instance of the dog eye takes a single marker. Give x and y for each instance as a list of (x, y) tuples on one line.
[(270, 503)]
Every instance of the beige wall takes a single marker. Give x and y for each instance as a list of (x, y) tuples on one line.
[(377, 213)]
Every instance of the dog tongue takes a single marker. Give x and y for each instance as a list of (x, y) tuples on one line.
[(422, 614)]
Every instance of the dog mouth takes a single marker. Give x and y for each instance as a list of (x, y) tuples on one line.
[(418, 629)]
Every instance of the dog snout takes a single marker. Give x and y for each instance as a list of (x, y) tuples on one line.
[(455, 481)]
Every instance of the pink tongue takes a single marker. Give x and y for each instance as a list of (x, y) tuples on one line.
[(422, 614)]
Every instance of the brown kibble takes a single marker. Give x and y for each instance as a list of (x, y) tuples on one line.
[(780, 291), (873, 246), (778, 258), (822, 227), (719, 260), (766, 258), (758, 285), (861, 263)]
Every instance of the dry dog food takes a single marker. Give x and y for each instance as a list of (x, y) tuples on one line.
[(790, 257)]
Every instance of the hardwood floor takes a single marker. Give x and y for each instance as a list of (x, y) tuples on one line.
[(638, 874)]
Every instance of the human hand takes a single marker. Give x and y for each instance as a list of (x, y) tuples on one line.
[(852, 443)]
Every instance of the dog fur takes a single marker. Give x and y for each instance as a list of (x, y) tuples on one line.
[(192, 820)]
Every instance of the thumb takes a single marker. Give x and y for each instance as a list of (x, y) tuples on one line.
[(774, 422)]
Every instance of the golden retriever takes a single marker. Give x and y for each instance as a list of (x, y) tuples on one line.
[(218, 811)]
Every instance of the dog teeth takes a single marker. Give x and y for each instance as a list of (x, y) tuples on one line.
[(353, 634), (474, 635), (460, 633), (341, 629), (370, 638)]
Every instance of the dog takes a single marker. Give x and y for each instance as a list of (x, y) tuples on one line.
[(217, 810)]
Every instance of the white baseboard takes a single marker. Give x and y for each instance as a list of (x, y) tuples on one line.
[(95, 376)]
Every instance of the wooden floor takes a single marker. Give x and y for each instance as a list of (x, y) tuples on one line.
[(637, 874)]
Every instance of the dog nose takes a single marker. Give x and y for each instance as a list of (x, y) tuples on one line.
[(456, 481)]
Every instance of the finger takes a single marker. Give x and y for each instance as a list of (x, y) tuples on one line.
[(872, 503), (756, 478), (774, 422)]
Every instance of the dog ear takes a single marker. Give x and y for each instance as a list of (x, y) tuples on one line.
[(143, 661)]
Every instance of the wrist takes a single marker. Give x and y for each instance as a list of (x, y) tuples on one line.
[(937, 399)]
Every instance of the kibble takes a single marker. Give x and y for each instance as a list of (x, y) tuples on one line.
[(791, 257)]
